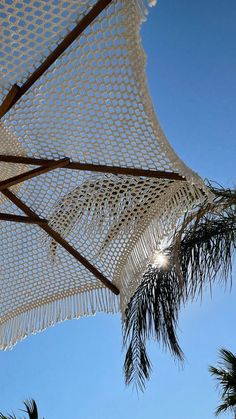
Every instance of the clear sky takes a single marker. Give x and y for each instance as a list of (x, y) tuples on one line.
[(74, 370)]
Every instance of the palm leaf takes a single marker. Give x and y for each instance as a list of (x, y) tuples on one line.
[(153, 311), (228, 405), (201, 251), (31, 409), (206, 252), (204, 246), (225, 374)]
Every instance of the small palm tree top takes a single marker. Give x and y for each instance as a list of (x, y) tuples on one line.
[(225, 374), (31, 410)]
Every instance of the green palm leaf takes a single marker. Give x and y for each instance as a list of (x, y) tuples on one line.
[(152, 311), (200, 252), (204, 248)]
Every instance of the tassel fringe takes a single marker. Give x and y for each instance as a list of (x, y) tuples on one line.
[(143, 7), (49, 314)]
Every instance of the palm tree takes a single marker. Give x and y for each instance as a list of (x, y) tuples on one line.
[(200, 252), (225, 375), (31, 410)]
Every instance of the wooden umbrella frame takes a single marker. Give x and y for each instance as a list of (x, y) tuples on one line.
[(45, 165)]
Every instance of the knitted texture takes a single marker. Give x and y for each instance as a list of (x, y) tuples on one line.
[(92, 106)]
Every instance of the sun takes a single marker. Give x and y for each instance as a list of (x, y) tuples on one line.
[(160, 260)]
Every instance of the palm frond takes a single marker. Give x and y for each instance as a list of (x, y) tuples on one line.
[(201, 251), (228, 405), (31, 409), (228, 360), (152, 311), (206, 251), (225, 374), (204, 245)]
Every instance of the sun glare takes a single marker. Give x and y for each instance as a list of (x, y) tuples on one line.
[(160, 260)]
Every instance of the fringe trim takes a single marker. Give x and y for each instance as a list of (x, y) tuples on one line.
[(143, 7), (38, 319)]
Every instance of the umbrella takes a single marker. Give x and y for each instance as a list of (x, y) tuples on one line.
[(90, 187)]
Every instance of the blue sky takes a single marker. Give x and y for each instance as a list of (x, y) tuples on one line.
[(74, 370)]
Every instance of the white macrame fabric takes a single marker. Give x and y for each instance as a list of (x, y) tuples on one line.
[(92, 106)]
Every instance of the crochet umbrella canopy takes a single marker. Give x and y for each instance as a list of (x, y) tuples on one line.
[(89, 185)]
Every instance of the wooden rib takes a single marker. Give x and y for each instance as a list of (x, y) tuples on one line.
[(7, 102), (56, 236), (67, 41), (27, 160), (159, 174), (21, 219), (33, 173)]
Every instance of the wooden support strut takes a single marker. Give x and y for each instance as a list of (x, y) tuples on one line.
[(33, 173), (21, 219), (116, 170), (59, 239), (17, 92), (8, 100)]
